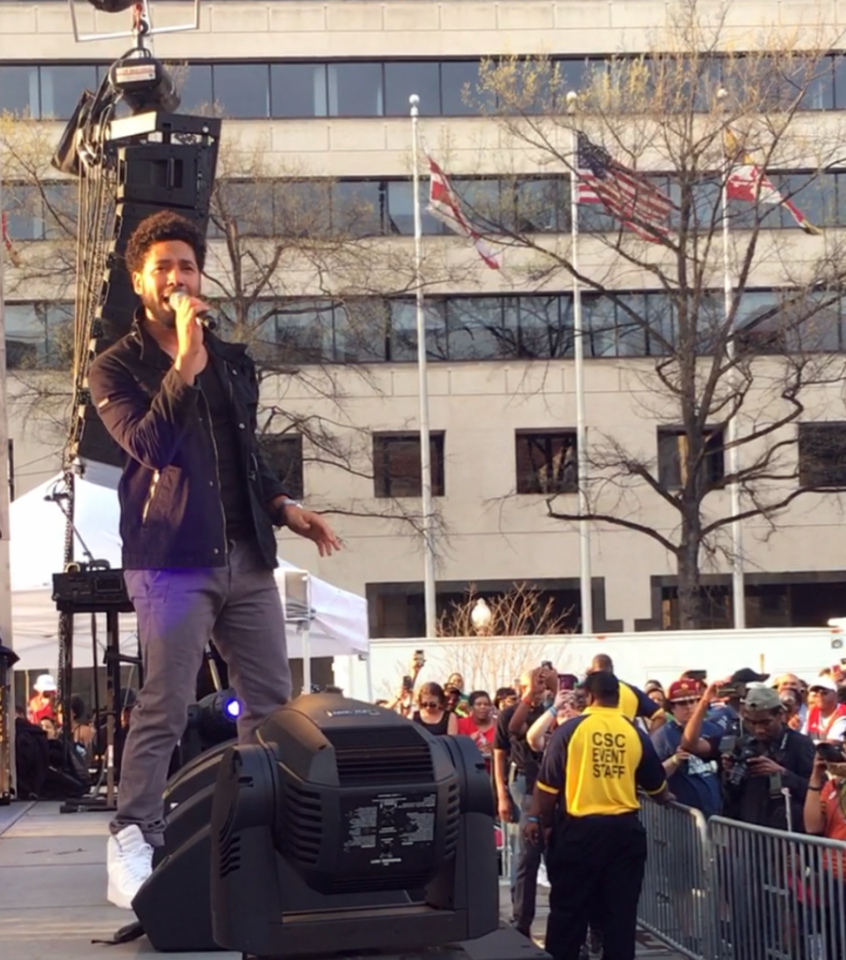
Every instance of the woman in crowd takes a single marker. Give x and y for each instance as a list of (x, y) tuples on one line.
[(480, 724), (48, 725), (655, 691), (432, 712)]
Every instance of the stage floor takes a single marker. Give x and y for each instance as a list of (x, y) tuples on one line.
[(53, 891)]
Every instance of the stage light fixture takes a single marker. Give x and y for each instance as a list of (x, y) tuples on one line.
[(214, 716), (346, 824), (144, 84), (112, 6)]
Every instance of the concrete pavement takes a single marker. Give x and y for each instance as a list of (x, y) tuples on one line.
[(53, 884)]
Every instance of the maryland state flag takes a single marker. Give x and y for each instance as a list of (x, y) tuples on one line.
[(747, 181)]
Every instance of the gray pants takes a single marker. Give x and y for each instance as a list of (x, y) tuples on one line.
[(178, 611)]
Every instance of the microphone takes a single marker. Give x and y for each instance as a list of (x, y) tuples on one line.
[(203, 316)]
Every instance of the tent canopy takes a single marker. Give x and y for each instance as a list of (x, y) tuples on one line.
[(37, 552)]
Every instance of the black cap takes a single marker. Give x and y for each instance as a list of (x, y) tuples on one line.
[(747, 675)]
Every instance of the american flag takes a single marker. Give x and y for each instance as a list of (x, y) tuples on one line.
[(445, 206), (625, 194)]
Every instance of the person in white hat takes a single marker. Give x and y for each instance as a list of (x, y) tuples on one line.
[(826, 719), (43, 702)]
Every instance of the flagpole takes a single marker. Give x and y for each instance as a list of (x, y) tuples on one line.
[(429, 596), (738, 590), (7, 739), (585, 593)]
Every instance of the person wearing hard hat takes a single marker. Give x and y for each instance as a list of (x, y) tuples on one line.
[(43, 701)]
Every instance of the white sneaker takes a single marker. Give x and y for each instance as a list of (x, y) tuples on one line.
[(129, 861)]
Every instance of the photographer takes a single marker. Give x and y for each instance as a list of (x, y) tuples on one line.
[(765, 760)]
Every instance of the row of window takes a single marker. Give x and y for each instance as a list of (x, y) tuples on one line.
[(477, 328), (450, 88), (546, 460), (366, 208)]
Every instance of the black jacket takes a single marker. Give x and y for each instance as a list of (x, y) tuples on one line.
[(171, 511), (757, 800)]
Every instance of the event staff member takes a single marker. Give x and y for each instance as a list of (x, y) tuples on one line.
[(585, 804), (634, 702), (198, 507)]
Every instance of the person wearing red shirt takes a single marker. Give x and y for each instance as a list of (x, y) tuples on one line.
[(480, 724), (43, 702)]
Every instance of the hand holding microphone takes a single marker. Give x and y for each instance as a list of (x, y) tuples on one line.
[(201, 315), (188, 311)]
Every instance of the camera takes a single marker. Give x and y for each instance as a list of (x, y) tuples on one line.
[(831, 752), (745, 749)]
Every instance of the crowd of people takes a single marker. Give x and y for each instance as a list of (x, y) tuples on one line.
[(761, 750)]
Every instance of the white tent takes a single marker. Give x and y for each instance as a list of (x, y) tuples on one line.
[(37, 549)]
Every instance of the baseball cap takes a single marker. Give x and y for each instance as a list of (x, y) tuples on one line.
[(45, 684), (684, 689), (653, 685), (763, 698), (747, 675), (823, 683)]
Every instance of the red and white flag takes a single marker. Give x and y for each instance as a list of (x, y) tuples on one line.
[(747, 181), (445, 206), (14, 259)]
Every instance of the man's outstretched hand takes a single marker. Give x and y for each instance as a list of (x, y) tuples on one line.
[(312, 526)]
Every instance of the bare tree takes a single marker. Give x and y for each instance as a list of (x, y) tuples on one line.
[(693, 114), (496, 655), (292, 259)]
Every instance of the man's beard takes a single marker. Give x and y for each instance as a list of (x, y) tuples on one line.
[(158, 311)]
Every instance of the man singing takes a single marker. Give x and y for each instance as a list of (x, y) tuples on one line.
[(198, 506)]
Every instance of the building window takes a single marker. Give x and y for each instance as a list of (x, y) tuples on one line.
[(402, 78), (19, 90), (39, 336), (546, 461), (673, 456), (62, 86), (822, 455), (298, 90), (283, 455), (396, 464), (242, 90), (355, 90)]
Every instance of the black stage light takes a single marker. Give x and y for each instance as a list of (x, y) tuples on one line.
[(144, 84), (113, 6), (211, 721), (348, 828)]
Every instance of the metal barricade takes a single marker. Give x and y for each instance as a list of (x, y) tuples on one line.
[(675, 901), (776, 895)]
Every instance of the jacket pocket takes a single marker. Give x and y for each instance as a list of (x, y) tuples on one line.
[(151, 494)]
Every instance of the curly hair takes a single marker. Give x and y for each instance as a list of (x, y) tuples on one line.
[(164, 225)]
